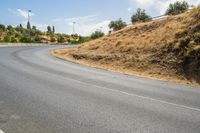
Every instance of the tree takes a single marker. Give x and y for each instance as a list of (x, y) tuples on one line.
[(177, 8), (49, 31), (20, 25), (53, 28), (9, 27), (117, 25), (2, 27), (28, 26), (34, 28), (97, 34), (21, 28), (140, 16), (60, 39)]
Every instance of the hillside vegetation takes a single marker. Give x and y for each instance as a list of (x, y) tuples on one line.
[(19, 34), (167, 49)]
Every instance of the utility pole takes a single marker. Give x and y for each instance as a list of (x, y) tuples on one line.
[(74, 27)]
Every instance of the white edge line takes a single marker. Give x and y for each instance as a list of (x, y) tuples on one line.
[(143, 97)]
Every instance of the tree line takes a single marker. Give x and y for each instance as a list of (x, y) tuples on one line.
[(31, 34)]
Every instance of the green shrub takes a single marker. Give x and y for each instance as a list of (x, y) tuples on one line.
[(2, 27), (140, 16), (25, 39), (82, 40), (37, 39), (97, 34), (6, 39), (61, 39), (13, 40), (177, 8), (117, 25)]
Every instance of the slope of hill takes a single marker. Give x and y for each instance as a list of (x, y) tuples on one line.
[(167, 49)]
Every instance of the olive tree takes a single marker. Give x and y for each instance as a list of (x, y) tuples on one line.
[(140, 16), (117, 24), (177, 8)]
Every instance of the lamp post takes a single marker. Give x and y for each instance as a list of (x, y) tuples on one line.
[(101, 28), (29, 11), (74, 27)]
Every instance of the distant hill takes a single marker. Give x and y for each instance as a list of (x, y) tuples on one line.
[(167, 49)]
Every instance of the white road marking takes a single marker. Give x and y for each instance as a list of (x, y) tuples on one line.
[(142, 97), (161, 101), (1, 131)]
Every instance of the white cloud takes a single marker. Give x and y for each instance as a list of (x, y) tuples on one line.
[(158, 7), (87, 29), (129, 9), (85, 25), (24, 13)]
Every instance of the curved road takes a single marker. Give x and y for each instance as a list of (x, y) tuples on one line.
[(42, 94)]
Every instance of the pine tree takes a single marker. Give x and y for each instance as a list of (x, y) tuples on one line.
[(28, 25), (53, 29), (49, 31)]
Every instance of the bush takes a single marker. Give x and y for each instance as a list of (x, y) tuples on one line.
[(53, 39), (2, 27), (13, 40), (82, 40), (6, 39), (10, 28), (25, 39), (117, 25), (37, 39), (61, 39), (177, 8), (97, 34), (140, 16)]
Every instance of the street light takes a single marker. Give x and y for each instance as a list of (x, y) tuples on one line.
[(101, 28), (74, 27), (28, 23), (29, 11)]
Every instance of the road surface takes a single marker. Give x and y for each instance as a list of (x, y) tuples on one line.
[(42, 94)]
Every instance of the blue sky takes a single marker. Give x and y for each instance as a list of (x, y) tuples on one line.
[(89, 15)]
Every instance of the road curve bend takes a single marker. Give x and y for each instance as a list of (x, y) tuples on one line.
[(42, 94)]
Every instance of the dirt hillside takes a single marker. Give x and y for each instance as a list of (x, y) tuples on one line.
[(167, 49)]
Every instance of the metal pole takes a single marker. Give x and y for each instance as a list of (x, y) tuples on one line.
[(29, 11), (74, 27), (101, 28)]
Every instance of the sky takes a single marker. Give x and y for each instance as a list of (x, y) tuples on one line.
[(89, 15)]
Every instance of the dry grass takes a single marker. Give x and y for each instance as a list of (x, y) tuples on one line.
[(156, 49)]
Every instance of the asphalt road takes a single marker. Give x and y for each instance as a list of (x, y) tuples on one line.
[(42, 94)]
